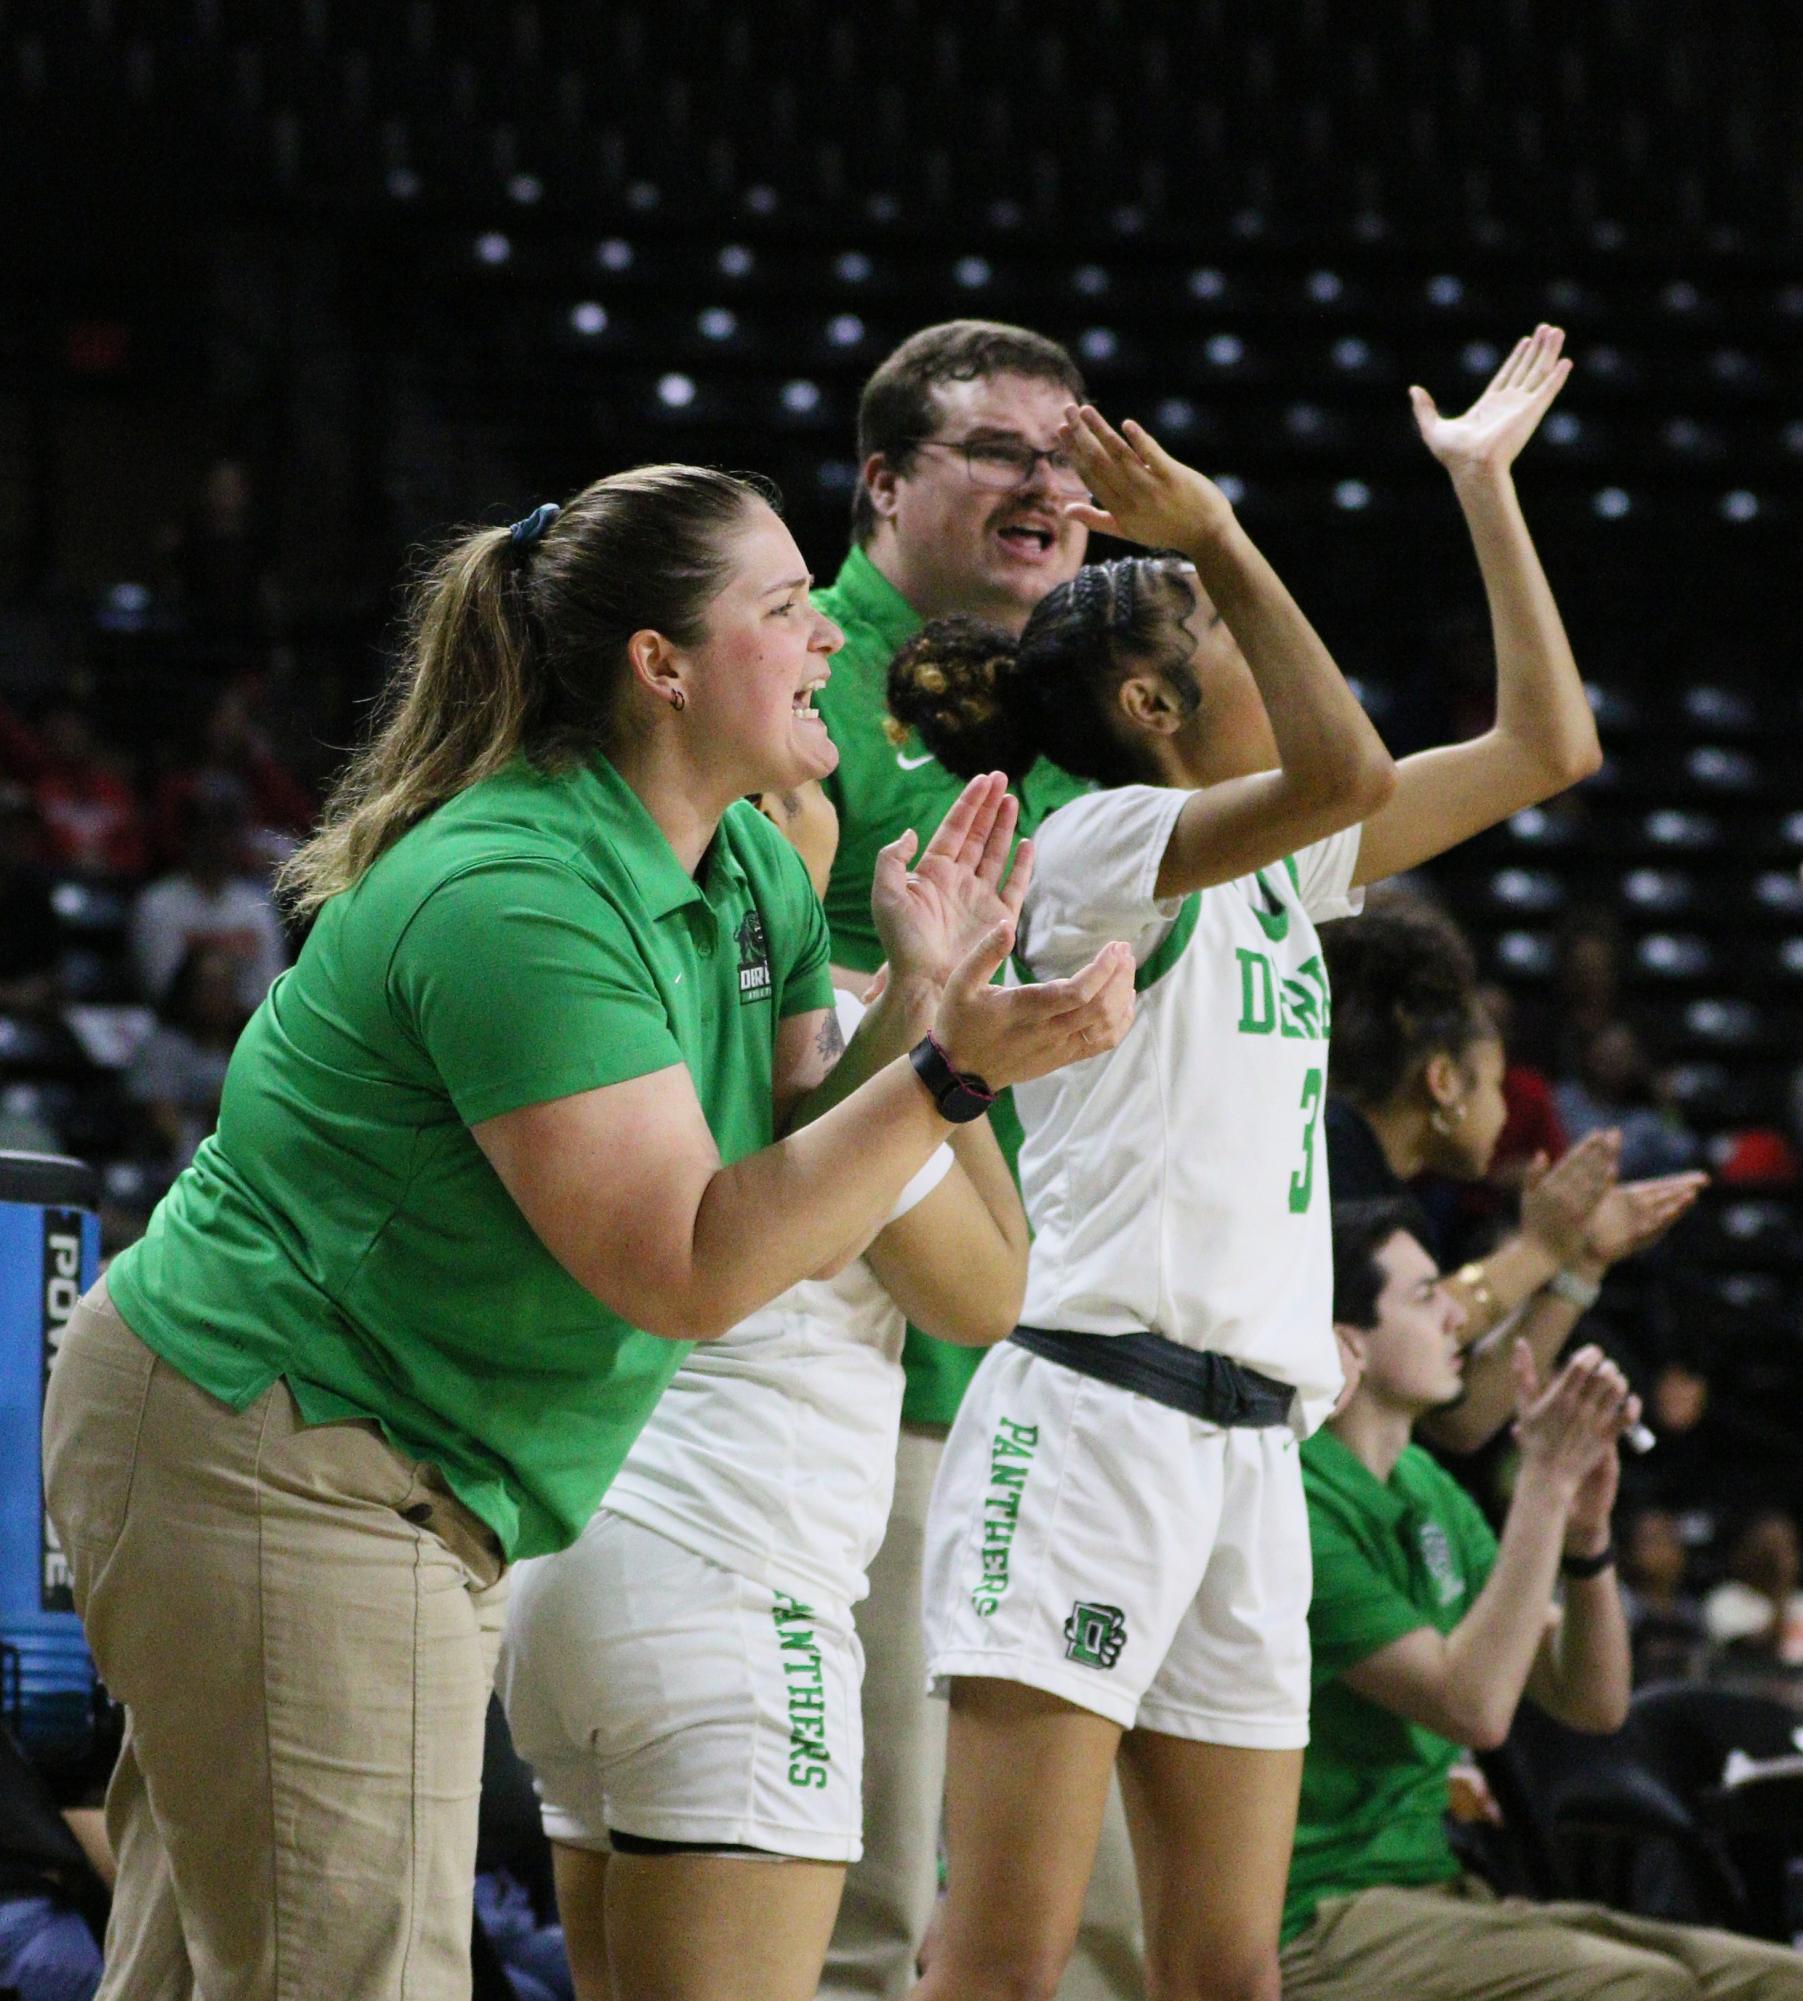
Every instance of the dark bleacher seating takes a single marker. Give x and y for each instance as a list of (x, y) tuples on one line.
[(441, 262)]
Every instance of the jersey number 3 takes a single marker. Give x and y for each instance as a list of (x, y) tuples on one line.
[(1302, 1182)]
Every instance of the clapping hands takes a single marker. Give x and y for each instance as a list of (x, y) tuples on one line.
[(932, 914), (948, 923), (1558, 1201), (1581, 1214), (1569, 1429)]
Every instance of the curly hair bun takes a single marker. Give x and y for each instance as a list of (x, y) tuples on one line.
[(955, 684), (1404, 988)]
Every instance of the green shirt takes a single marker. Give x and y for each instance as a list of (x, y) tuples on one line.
[(880, 789), (532, 938), (1390, 1557)]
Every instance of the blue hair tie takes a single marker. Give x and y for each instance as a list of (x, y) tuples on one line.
[(529, 531)]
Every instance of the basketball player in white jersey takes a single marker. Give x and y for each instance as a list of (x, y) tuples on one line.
[(1117, 1556)]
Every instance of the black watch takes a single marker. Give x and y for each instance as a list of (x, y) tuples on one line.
[(959, 1094)]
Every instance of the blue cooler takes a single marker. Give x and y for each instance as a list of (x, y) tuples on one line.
[(49, 1256)]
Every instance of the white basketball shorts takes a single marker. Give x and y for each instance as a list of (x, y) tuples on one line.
[(1085, 1540), (657, 1694)]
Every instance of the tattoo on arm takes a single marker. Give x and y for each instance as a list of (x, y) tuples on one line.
[(829, 1043)]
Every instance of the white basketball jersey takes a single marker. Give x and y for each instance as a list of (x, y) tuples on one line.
[(1178, 1183)]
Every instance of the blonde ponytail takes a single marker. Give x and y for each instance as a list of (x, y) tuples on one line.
[(516, 647), (455, 713)]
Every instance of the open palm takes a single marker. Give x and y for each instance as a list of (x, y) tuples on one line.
[(1139, 491), (930, 916), (1636, 1214), (1490, 434)]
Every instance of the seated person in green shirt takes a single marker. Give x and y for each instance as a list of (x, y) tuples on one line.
[(1426, 1633), (554, 1090)]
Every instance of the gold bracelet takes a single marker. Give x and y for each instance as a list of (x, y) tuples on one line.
[(1476, 1281)]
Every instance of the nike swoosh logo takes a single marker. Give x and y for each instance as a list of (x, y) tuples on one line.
[(913, 763)]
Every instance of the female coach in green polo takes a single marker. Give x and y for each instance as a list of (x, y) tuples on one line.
[(502, 1142)]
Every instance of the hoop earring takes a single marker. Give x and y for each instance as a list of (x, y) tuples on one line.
[(1447, 1119), (678, 700)]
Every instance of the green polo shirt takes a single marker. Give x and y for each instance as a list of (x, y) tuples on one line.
[(532, 938), (1390, 1557), (880, 790)]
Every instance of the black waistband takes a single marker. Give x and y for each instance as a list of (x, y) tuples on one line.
[(1193, 1380)]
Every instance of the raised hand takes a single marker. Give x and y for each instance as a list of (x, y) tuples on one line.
[(1007, 1035), (1587, 1525), (1140, 492), (1502, 420), (1558, 1202), (1566, 1429), (931, 915), (1636, 1214)]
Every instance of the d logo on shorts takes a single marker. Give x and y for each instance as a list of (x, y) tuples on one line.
[(1094, 1635)]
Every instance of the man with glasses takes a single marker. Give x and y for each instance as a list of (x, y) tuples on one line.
[(959, 510)]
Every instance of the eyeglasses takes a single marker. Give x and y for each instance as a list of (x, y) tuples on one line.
[(1002, 465)]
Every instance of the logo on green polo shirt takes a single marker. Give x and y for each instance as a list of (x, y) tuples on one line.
[(1094, 1635), (1436, 1553), (754, 959)]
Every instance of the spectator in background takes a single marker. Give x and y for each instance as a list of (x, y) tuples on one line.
[(531, 1952), (52, 1887), (1665, 1620), (179, 1070), (90, 813), (1418, 1067), (1428, 1630), (1615, 1089), (217, 561), (30, 941), (1758, 1609), (1754, 1157), (1588, 983), (1717, 1452), (1680, 1397), (1763, 1156), (232, 747), (209, 900), (1531, 1122)]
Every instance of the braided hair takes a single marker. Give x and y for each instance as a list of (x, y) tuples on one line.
[(983, 700), (1405, 989)]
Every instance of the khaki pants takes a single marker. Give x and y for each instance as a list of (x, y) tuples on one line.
[(1460, 1942), (302, 1625), (890, 1895)]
